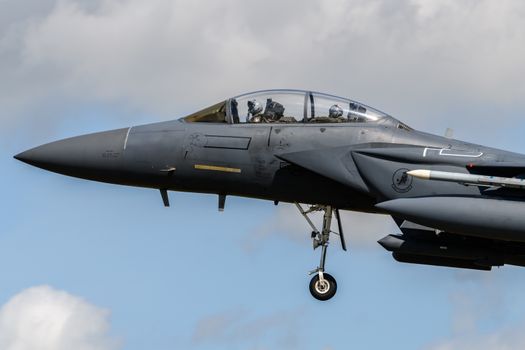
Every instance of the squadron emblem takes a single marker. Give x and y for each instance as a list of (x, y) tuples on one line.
[(401, 181)]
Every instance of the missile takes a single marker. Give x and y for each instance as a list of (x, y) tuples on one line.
[(468, 179)]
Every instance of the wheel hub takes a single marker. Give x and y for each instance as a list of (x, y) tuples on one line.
[(322, 286)]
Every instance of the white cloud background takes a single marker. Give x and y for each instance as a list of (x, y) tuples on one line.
[(168, 56), (48, 319)]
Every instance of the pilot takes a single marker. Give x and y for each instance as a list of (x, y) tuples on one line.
[(254, 112), (274, 111), (335, 112)]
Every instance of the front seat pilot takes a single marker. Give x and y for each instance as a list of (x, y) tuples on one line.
[(254, 112)]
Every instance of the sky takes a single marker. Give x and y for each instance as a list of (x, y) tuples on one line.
[(92, 266)]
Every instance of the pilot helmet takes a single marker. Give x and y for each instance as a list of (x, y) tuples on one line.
[(254, 107), (335, 111)]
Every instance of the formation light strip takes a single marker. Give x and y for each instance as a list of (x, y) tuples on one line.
[(217, 168)]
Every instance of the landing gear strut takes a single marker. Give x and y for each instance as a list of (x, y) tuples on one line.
[(323, 286)]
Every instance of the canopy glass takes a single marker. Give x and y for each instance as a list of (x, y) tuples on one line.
[(288, 107)]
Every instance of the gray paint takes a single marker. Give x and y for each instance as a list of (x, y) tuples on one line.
[(353, 166)]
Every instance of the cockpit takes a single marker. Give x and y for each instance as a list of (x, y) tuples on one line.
[(287, 107)]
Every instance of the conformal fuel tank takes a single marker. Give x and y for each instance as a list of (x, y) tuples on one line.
[(482, 217)]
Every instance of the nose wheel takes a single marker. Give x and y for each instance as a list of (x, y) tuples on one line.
[(322, 285)]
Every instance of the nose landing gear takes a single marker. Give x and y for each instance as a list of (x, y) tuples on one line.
[(323, 286)]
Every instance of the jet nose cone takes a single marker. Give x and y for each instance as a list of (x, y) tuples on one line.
[(33, 156), (93, 156), (22, 156)]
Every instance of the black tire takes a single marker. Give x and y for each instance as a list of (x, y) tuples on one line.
[(323, 293)]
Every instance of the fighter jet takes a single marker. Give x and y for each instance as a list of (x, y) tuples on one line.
[(457, 204)]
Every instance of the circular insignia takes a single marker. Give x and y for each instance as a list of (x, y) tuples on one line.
[(401, 181)]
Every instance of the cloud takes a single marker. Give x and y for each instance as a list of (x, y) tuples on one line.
[(48, 319), (476, 298), (478, 306), (240, 326), (501, 339), (362, 230), (418, 59)]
